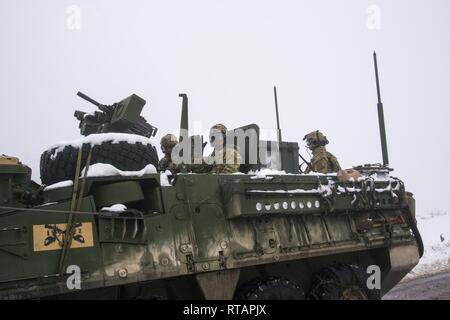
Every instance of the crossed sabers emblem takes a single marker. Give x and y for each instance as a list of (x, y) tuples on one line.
[(56, 234)]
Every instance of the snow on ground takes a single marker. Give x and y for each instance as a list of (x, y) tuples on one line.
[(106, 170), (435, 231)]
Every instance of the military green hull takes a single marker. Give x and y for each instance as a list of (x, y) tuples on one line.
[(204, 236)]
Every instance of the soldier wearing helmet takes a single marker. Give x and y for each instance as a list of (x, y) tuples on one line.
[(322, 160), (167, 143), (225, 158)]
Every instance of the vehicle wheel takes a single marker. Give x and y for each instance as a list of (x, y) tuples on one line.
[(271, 288), (342, 282), (59, 164)]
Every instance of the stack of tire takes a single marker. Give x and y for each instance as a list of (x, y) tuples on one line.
[(59, 162)]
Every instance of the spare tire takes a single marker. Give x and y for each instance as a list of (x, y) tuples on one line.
[(126, 152)]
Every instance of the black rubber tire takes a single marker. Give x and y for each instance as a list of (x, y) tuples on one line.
[(271, 288), (342, 282), (124, 156)]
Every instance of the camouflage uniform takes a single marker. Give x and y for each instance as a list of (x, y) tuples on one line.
[(231, 158), (322, 160), (167, 144), (166, 164)]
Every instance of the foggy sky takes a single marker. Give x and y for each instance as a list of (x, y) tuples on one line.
[(227, 55)]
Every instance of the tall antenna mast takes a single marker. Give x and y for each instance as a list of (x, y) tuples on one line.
[(278, 118), (381, 116), (278, 127)]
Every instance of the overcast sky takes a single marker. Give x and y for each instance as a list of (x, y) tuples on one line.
[(227, 55)]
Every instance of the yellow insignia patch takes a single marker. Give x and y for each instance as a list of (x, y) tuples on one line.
[(51, 236)]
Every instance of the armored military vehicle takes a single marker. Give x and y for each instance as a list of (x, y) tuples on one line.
[(105, 224)]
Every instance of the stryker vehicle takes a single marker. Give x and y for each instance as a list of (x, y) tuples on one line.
[(135, 233)]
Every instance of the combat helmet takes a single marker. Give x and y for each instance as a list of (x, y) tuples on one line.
[(214, 132), (220, 127), (316, 138), (168, 142)]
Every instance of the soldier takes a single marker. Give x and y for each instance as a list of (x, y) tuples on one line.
[(167, 143), (225, 158), (322, 160)]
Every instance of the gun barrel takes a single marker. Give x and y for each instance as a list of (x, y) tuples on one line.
[(89, 99)]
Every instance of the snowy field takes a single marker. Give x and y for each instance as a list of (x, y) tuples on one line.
[(435, 231)]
